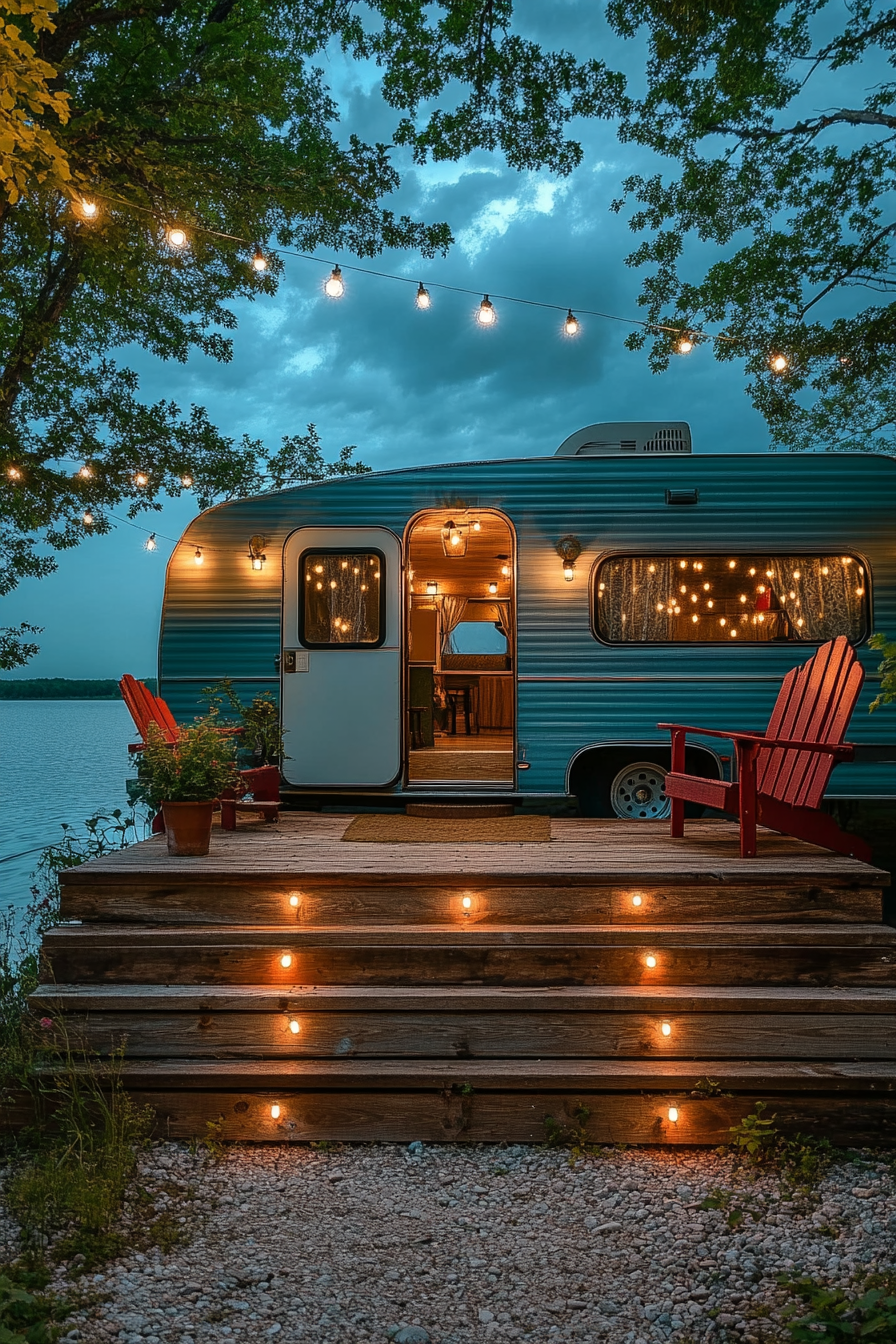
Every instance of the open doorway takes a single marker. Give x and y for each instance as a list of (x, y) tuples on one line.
[(461, 649)]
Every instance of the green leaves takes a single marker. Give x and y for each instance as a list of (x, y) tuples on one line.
[(194, 769), (887, 670), (796, 205), (834, 1314)]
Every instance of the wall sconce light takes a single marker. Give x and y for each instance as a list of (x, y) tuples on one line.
[(476, 525), (275, 1112), (569, 549), (673, 1114), (256, 552), (493, 588), (432, 588), (666, 1028), (454, 539)]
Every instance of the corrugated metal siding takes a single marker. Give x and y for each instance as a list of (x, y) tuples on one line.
[(222, 618)]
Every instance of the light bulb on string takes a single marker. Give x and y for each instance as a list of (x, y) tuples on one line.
[(334, 285), (88, 209), (140, 479), (423, 299), (87, 518), (14, 473), (259, 260), (177, 237), (151, 544), (778, 363), (85, 472), (571, 325), (685, 343), (485, 313), (186, 482), (198, 557)]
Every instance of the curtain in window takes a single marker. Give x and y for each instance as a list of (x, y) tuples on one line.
[(823, 596), (453, 609), (502, 619), (636, 599)]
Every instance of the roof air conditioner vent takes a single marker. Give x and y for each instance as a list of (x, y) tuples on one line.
[(613, 439)]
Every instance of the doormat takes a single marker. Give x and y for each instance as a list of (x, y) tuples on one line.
[(395, 829)]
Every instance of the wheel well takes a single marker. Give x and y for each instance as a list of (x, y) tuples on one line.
[(591, 769), (609, 757)]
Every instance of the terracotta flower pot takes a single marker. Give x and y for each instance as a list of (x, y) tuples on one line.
[(188, 827)]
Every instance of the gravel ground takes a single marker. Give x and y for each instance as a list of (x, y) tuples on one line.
[(453, 1244)]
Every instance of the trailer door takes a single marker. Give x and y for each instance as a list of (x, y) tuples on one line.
[(341, 657)]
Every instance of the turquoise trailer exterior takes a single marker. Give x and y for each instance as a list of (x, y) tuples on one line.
[(577, 697)]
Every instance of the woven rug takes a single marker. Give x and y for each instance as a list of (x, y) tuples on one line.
[(396, 829)]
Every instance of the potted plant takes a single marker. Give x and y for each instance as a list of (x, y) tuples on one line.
[(257, 724), (185, 778)]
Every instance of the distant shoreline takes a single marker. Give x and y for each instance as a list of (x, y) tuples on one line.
[(64, 688)]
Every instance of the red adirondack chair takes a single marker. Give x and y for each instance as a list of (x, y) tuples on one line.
[(782, 773), (263, 781)]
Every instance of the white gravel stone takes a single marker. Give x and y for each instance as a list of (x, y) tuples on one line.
[(449, 1244)]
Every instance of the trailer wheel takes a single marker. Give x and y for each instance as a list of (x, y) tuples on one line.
[(638, 792)]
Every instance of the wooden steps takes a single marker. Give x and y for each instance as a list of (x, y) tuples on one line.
[(700, 954), (380, 991)]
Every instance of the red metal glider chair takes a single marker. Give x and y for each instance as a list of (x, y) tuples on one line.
[(263, 782), (782, 773)]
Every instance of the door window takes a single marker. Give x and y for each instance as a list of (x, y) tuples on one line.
[(341, 599)]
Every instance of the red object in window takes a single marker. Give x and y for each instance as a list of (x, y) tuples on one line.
[(764, 600)]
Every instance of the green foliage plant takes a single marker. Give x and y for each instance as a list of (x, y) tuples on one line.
[(216, 118), (887, 670), (833, 1314), (194, 769), (734, 1204), (767, 220), (569, 1132), (754, 1138), (261, 737), (27, 1316)]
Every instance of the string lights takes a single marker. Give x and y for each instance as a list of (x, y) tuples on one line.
[(682, 339), (14, 473), (334, 285), (485, 313), (85, 472), (87, 518), (198, 557), (151, 544)]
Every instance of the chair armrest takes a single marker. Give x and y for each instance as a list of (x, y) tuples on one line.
[(712, 732), (844, 749)]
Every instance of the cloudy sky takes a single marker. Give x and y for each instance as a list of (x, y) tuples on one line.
[(408, 387)]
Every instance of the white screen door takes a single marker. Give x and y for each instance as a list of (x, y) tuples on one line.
[(341, 705)]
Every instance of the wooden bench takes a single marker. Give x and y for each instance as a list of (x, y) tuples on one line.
[(782, 773), (263, 781)]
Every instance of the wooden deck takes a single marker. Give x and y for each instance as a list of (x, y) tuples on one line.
[(467, 991)]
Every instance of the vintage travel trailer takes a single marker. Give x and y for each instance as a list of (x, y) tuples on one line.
[(517, 628)]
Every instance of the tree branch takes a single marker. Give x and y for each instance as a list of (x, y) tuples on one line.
[(51, 302), (844, 275), (851, 116)]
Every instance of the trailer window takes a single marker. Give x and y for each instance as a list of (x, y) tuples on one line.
[(341, 599), (722, 598)]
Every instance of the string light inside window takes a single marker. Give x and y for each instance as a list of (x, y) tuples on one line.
[(759, 599)]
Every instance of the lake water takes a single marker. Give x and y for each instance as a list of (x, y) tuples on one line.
[(60, 760)]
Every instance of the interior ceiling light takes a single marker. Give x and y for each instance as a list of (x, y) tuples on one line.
[(454, 539)]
